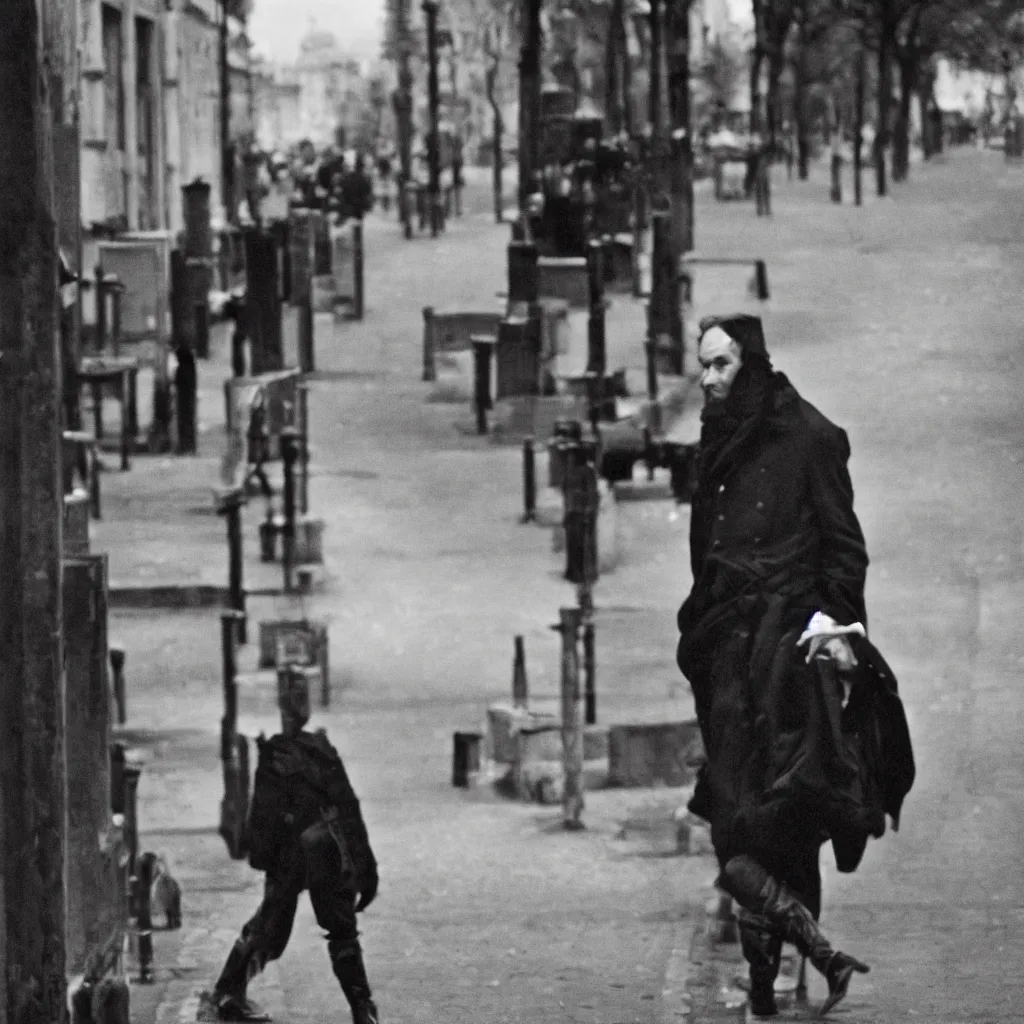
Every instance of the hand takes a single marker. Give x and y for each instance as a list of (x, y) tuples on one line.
[(837, 649), (367, 893)]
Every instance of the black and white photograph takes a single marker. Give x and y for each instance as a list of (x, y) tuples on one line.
[(511, 511)]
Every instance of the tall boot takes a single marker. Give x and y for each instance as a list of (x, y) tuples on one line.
[(755, 890), (350, 971), (762, 949), (229, 994)]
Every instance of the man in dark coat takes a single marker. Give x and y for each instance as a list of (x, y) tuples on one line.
[(305, 830), (804, 732)]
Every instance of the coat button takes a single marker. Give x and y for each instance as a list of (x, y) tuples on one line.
[(721, 519), (721, 488), (757, 540), (760, 504)]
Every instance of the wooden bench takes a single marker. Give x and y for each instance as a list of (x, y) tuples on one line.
[(452, 331)]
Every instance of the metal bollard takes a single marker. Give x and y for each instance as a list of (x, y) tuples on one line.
[(307, 355), (233, 747), (482, 383), (186, 383), (144, 918), (231, 509), (290, 456), (117, 657), (520, 689), (94, 484), (761, 280), (572, 728), (836, 191), (131, 822), (589, 675), (304, 447), (529, 482), (429, 367), (357, 256), (465, 757), (117, 766)]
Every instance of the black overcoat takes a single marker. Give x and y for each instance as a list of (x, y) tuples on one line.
[(771, 542)]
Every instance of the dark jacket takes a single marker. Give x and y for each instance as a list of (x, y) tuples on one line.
[(796, 482), (297, 779), (775, 540)]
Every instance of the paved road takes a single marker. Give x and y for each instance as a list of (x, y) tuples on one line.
[(901, 320)]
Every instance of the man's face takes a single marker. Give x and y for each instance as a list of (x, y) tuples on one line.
[(720, 360)]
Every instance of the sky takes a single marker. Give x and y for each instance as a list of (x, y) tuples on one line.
[(277, 26)]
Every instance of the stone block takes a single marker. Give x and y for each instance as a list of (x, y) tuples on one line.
[(653, 753), (503, 724)]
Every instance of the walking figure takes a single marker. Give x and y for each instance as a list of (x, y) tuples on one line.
[(805, 733), (306, 831)]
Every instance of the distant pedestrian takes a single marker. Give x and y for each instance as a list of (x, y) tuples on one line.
[(305, 831), (802, 747)]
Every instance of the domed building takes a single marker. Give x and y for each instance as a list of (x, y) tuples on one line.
[(331, 87)]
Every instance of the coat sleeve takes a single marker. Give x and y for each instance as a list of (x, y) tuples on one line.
[(843, 557)]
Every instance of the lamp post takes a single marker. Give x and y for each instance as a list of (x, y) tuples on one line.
[(227, 156), (430, 9)]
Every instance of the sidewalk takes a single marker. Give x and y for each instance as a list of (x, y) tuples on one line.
[(488, 910)]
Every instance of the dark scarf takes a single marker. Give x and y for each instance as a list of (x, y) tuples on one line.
[(730, 428)]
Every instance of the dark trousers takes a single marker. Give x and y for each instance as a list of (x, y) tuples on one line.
[(315, 863)]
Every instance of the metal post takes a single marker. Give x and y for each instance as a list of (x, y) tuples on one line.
[(101, 310), (227, 156), (529, 99), (231, 509), (232, 746), (358, 283), (430, 8), (429, 369), (117, 658), (186, 385), (263, 307), (144, 918), (520, 689), (589, 674), (529, 482), (307, 358), (238, 340), (572, 727), (523, 278), (482, 383), (304, 447), (289, 455), (131, 775)]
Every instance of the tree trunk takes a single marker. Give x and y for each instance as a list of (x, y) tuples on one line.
[(803, 142), (755, 66), (858, 122), (901, 134), (627, 70), (612, 79), (885, 48), (776, 65), (497, 156), (39, 80), (681, 175), (529, 99)]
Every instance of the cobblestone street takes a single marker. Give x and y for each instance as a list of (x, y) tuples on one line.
[(901, 321)]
